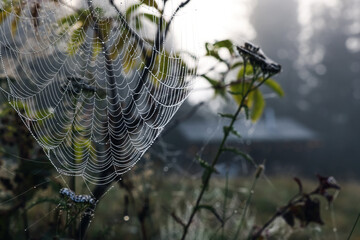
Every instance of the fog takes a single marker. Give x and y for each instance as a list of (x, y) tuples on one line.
[(318, 44)]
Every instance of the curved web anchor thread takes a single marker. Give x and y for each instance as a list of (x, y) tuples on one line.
[(93, 83)]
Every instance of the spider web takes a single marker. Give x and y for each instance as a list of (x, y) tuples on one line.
[(95, 82)]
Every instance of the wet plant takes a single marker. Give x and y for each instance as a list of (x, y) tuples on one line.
[(255, 69), (247, 69), (304, 206)]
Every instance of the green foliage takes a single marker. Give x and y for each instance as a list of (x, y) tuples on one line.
[(208, 169), (240, 153), (228, 130), (4, 12), (258, 106), (130, 10), (248, 71), (250, 75), (244, 89), (155, 19), (213, 211), (275, 86), (226, 115)]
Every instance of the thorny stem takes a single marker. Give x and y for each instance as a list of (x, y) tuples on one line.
[(216, 159)]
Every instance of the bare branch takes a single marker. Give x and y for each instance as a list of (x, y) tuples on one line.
[(183, 4)]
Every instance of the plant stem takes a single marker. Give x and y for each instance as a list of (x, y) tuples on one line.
[(294, 200), (333, 221), (225, 203), (353, 228), (221, 147), (247, 204), (215, 160), (26, 224)]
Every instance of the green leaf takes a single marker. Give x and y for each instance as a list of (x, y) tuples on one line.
[(77, 39), (249, 71), (99, 12), (226, 44), (234, 132), (212, 210), (82, 148), (4, 13), (15, 21), (205, 164), (237, 64), (226, 115), (208, 169), (240, 153), (246, 108), (213, 52), (237, 91), (216, 85), (275, 86), (70, 19), (130, 10), (151, 3), (258, 107), (155, 19), (213, 82), (228, 130), (138, 23)]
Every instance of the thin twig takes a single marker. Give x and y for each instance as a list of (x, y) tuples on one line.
[(225, 205), (353, 228), (133, 34), (248, 200), (333, 220), (215, 160), (183, 4)]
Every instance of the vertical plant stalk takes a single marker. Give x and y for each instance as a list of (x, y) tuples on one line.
[(26, 223), (225, 205), (333, 220), (354, 226), (220, 150), (248, 200)]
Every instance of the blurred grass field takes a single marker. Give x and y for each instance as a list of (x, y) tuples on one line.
[(176, 194)]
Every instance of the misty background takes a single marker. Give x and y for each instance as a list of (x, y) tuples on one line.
[(315, 127)]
